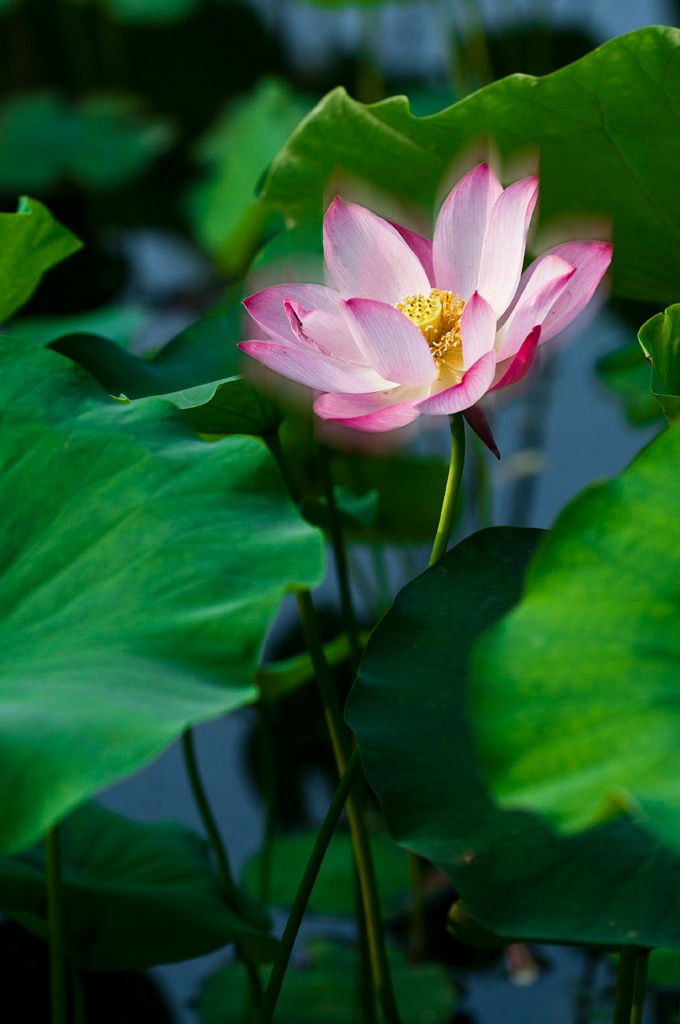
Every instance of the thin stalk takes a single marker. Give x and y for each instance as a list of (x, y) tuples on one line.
[(340, 555), (304, 891), (640, 987), (228, 887), (55, 921), (365, 992), (452, 490), (625, 984), (340, 739)]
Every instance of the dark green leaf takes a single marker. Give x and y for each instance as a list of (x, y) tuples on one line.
[(576, 692), (660, 339), (31, 241), (334, 892), (142, 568), (213, 407), (597, 124), (136, 894), (325, 990), (408, 710)]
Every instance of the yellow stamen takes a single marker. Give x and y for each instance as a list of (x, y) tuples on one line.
[(437, 317)]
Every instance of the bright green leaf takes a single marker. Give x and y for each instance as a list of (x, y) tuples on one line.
[(136, 894), (598, 124), (576, 692), (31, 241), (142, 568), (334, 890), (660, 340), (409, 712), (325, 990)]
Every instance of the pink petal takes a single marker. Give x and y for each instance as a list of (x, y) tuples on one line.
[(367, 257), (545, 286), (391, 343), (460, 228), (477, 329), (323, 332), (504, 243), (420, 245), (343, 407), (373, 412), (474, 384), (515, 368), (266, 307), (385, 419), (591, 260), (316, 371), (476, 417)]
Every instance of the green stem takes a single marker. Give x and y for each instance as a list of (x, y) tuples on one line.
[(304, 891), (340, 739), (228, 887), (452, 491), (55, 921), (640, 987), (340, 555), (625, 984)]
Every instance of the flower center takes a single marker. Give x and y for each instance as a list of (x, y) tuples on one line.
[(437, 317)]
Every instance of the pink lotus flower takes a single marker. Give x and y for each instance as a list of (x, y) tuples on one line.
[(425, 327)]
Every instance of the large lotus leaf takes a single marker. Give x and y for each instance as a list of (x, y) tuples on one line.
[(408, 710), (136, 894), (324, 989), (224, 210), (660, 339), (31, 241), (141, 569), (598, 125), (334, 890), (576, 692), (103, 142)]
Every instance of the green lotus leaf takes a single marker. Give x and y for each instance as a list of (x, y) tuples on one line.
[(660, 340), (31, 241), (141, 570), (410, 711), (575, 694), (135, 894)]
